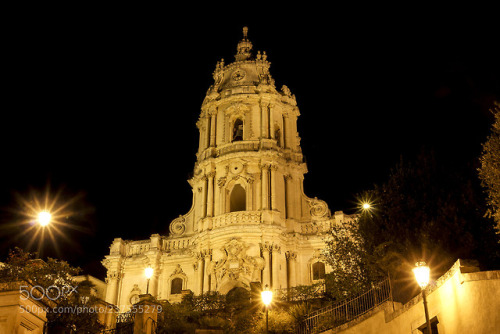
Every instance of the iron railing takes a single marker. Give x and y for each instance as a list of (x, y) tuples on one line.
[(124, 324), (125, 317), (346, 310)]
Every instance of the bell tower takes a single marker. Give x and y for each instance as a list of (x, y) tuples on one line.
[(249, 156), (250, 221)]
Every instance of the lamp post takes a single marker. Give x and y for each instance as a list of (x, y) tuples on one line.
[(422, 273), (267, 298), (148, 272)]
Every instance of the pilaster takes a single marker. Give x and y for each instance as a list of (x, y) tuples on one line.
[(265, 186), (276, 254), (292, 274)]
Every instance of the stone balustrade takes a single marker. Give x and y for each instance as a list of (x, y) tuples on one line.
[(138, 247), (238, 147), (177, 243), (232, 218)]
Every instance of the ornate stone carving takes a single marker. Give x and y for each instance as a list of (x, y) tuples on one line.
[(177, 271), (290, 256), (270, 247), (286, 91), (319, 208), (113, 275), (221, 181), (178, 226), (235, 263), (133, 296), (206, 252)]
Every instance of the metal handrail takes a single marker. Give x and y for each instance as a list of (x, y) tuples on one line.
[(346, 310)]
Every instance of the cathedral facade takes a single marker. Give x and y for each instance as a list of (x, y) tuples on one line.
[(250, 220)]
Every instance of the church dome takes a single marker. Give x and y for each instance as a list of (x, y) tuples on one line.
[(247, 74)]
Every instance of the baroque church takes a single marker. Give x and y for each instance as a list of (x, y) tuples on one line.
[(250, 221)]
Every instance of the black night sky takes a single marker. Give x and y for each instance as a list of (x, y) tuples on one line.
[(104, 106)]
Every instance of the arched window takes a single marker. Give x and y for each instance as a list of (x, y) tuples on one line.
[(176, 286), (318, 270), (238, 130), (238, 199)]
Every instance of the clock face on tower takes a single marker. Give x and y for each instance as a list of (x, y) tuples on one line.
[(238, 75)]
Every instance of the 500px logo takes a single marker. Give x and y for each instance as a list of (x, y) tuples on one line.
[(38, 292)]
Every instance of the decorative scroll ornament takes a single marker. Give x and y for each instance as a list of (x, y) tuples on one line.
[(178, 226), (319, 208)]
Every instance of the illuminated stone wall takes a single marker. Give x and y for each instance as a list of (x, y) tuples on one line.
[(21, 313), (461, 302)]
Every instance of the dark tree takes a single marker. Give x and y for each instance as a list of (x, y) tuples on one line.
[(489, 172), (427, 210)]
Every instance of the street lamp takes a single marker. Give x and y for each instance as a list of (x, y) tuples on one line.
[(44, 218), (422, 273), (148, 272), (267, 298)]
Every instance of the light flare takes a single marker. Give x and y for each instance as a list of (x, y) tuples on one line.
[(44, 218), (41, 219)]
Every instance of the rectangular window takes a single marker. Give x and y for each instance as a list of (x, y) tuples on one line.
[(318, 271), (176, 286), (434, 322)]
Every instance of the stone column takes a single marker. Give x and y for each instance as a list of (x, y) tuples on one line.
[(204, 197), (257, 191), (274, 206), (294, 142), (207, 133), (271, 123), (276, 252), (200, 140), (265, 187), (210, 200), (112, 281), (291, 260), (212, 131), (208, 256), (284, 131), (286, 190), (265, 121), (200, 271), (153, 282), (266, 272), (217, 199)]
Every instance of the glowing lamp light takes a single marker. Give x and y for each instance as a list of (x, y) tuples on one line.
[(366, 206), (267, 297), (148, 272), (44, 218), (422, 273)]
